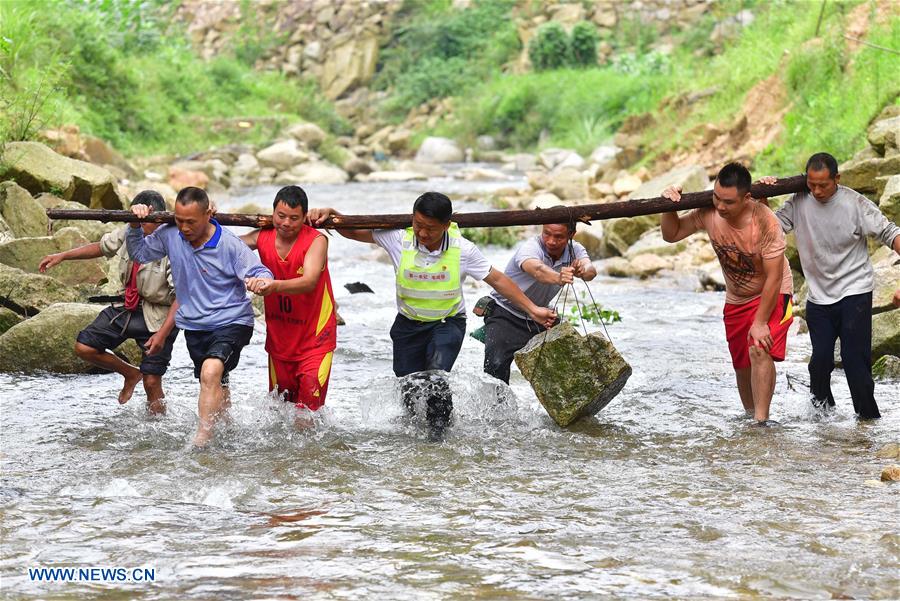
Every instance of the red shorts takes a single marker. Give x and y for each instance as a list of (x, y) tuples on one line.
[(303, 382), (739, 318)]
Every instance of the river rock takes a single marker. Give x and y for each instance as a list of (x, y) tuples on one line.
[(886, 334), (32, 292), (182, 178), (22, 213), (26, 254), (618, 267), (8, 319), (646, 265), (569, 184), (591, 237), (626, 184), (573, 376), (309, 133), (860, 174), (38, 169), (890, 473), (392, 176), (620, 234), (652, 242), (889, 203), (317, 172), (554, 158), (887, 367), (605, 156), (282, 155), (886, 265), (439, 150), (46, 342), (878, 131), (544, 200), (889, 451)]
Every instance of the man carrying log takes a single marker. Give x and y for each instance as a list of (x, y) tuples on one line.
[(209, 266), (301, 326), (831, 223), (146, 313), (749, 244), (431, 259), (541, 266)]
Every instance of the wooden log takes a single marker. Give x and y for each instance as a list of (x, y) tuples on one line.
[(563, 214)]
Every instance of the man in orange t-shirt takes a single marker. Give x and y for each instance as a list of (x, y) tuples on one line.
[(750, 245), (301, 326)]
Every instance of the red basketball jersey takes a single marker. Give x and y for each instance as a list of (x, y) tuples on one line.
[(297, 324)]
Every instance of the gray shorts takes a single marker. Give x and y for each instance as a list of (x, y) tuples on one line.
[(115, 325)]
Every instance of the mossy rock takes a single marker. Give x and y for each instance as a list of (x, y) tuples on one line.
[(886, 368), (38, 169), (31, 292), (26, 254), (8, 319), (573, 376), (22, 213), (91, 230), (886, 334), (45, 343)]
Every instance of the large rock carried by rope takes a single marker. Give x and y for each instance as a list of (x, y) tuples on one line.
[(573, 376)]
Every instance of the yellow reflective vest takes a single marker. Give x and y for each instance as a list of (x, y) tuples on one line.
[(426, 290)]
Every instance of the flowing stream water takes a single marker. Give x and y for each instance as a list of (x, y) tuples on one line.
[(667, 493)]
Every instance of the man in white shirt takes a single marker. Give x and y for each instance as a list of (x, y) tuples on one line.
[(431, 259), (831, 223)]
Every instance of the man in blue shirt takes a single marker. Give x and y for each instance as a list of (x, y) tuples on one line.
[(209, 266)]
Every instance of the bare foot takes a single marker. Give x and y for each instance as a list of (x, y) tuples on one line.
[(128, 388), (156, 407), (203, 435)]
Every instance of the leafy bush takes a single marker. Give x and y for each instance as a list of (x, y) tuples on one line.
[(549, 48), (584, 44)]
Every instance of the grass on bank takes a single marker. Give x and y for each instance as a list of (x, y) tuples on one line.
[(121, 71)]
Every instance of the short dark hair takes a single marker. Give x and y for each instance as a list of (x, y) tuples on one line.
[(735, 175), (292, 196), (151, 198), (193, 194), (823, 160), (434, 205)]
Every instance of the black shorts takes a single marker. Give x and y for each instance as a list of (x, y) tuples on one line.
[(225, 344), (115, 325)]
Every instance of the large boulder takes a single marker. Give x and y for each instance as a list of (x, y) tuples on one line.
[(569, 184), (878, 131), (26, 254), (31, 293), (282, 155), (889, 203), (45, 343), (886, 334), (316, 172), (38, 169), (886, 265), (8, 318), (887, 367), (620, 234), (557, 158), (22, 213), (349, 64), (439, 150), (573, 376), (309, 133), (591, 237)]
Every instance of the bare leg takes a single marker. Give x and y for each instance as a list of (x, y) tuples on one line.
[(109, 361), (212, 400), (762, 369), (745, 388), (156, 404)]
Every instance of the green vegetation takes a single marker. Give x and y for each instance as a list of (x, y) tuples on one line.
[(833, 90), (584, 44), (118, 70), (507, 237), (586, 311), (549, 49), (436, 51)]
